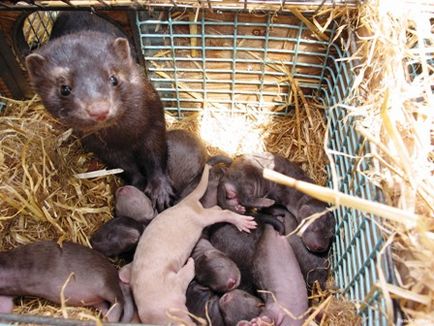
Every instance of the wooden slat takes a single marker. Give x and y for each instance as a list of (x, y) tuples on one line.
[(272, 5)]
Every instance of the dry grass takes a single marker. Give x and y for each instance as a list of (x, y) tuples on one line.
[(39, 196), (394, 113), (42, 199), (255, 131)]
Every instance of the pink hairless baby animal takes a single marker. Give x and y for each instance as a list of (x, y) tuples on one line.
[(161, 270)]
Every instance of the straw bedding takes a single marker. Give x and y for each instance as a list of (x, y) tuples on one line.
[(42, 198)]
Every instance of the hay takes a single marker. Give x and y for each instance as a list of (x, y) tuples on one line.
[(43, 199), (39, 196), (394, 112)]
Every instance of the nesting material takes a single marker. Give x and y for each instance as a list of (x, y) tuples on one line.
[(40, 196), (293, 136), (43, 199), (392, 101), (35, 306)]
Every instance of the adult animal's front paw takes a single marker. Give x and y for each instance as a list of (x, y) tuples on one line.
[(160, 191)]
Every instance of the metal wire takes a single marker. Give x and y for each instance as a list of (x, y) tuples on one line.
[(176, 73), (358, 240)]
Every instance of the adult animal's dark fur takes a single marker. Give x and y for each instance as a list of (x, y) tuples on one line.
[(89, 81)]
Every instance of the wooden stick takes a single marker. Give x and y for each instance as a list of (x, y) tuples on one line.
[(409, 219), (193, 31), (297, 13)]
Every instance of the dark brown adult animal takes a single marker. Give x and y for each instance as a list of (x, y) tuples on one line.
[(275, 269), (41, 269), (244, 187), (89, 81), (213, 268)]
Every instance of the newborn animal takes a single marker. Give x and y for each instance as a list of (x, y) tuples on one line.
[(134, 210), (213, 268), (118, 236), (244, 187), (133, 203), (187, 157), (209, 199), (241, 247), (201, 301), (275, 269), (228, 310), (41, 269), (160, 268), (239, 305), (314, 266), (89, 81)]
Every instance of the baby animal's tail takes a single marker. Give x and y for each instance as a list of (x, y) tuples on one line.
[(202, 186)]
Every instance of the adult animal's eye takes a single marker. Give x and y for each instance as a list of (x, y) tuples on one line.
[(65, 90), (114, 81)]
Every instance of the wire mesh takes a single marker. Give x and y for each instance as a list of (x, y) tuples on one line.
[(201, 61), (229, 61), (37, 28)]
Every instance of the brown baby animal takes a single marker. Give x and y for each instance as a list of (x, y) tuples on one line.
[(41, 269), (239, 305), (243, 187), (204, 303), (314, 266), (241, 247), (227, 310), (162, 268), (213, 268), (133, 203), (276, 269), (118, 236), (187, 157), (209, 199)]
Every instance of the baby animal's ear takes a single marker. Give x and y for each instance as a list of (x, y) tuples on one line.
[(261, 202), (36, 64), (125, 273), (132, 235)]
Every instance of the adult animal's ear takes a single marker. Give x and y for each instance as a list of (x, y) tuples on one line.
[(36, 65), (122, 50)]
